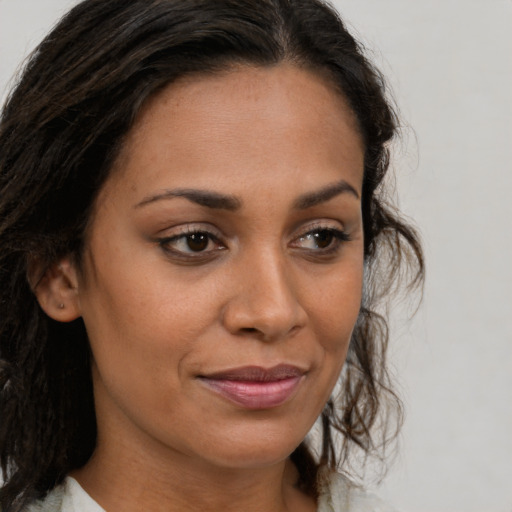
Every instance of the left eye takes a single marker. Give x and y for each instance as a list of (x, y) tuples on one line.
[(189, 243), (322, 239)]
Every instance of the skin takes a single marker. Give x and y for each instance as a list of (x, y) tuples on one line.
[(260, 292)]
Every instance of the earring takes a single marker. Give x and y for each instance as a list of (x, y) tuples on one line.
[(61, 306)]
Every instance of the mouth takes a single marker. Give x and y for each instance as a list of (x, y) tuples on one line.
[(253, 387)]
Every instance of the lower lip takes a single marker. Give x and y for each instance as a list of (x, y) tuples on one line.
[(255, 395)]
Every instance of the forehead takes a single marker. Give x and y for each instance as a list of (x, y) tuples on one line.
[(240, 121)]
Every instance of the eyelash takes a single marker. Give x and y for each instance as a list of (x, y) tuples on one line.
[(338, 238), (186, 236)]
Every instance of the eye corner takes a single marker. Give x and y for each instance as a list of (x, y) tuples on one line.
[(191, 245), (321, 240)]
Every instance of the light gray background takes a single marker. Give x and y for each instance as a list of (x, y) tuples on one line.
[(449, 63)]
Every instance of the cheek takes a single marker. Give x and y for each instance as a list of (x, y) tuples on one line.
[(333, 311), (143, 329), (336, 309)]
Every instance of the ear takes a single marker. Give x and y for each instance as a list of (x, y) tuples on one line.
[(57, 289)]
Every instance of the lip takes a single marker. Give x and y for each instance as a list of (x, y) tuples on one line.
[(254, 387)]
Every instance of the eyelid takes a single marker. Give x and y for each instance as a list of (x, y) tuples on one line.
[(317, 225), (175, 234), (320, 254), (189, 228)]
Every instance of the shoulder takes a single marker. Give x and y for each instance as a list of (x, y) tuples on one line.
[(52, 502), (338, 494), (66, 497)]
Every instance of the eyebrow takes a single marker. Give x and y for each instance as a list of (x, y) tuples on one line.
[(311, 199), (202, 197), (215, 200)]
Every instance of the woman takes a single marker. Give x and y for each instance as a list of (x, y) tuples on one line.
[(194, 241)]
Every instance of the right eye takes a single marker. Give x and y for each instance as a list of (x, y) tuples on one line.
[(191, 244)]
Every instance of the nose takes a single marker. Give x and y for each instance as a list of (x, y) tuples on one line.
[(264, 302)]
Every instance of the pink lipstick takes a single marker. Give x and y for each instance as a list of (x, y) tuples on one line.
[(253, 387)]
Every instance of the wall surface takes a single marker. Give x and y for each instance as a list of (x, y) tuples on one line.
[(449, 63), (450, 66)]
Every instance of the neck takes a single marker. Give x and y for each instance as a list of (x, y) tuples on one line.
[(128, 480)]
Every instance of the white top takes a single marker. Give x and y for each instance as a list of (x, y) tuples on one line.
[(337, 494), (75, 499)]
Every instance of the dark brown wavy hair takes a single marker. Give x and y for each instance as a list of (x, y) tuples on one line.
[(60, 132)]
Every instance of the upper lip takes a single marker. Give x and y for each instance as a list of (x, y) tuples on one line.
[(257, 373)]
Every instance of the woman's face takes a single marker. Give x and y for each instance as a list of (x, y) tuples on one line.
[(223, 268)]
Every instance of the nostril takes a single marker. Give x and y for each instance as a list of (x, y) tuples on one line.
[(249, 330), (257, 314)]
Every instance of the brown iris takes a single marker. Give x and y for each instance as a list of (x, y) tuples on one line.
[(197, 242), (323, 238)]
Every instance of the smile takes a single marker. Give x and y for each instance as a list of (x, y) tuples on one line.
[(254, 387)]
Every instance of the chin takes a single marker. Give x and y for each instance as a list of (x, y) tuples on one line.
[(260, 453)]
